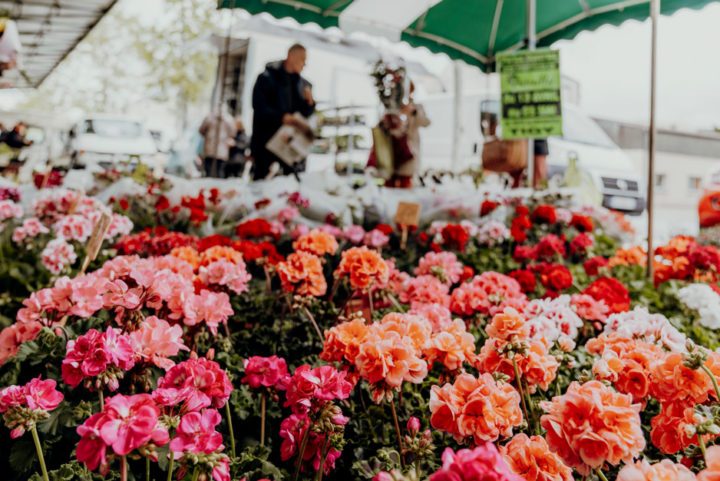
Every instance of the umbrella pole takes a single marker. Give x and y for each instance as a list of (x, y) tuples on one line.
[(654, 13), (531, 9)]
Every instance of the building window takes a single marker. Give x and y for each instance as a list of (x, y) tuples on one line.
[(660, 182), (694, 183)]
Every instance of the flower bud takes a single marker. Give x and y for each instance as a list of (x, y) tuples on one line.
[(413, 425)]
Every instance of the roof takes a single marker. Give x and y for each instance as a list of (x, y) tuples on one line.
[(631, 136), (49, 30)]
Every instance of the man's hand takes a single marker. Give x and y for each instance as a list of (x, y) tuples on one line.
[(307, 94), (289, 119)]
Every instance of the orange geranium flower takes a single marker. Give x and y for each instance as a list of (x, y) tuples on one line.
[(188, 254), (531, 458), (416, 328), (665, 470), (592, 424), (301, 273), (509, 325), (479, 408), (675, 382), (536, 365), (316, 242), (342, 342), (634, 256), (365, 268), (669, 429), (452, 347), (625, 362), (712, 470), (215, 253)]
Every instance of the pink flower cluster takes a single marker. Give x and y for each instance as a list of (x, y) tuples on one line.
[(310, 388), (73, 227), (482, 463), (14, 335), (10, 210), (443, 265), (99, 357), (196, 435), (292, 431), (57, 255), (126, 423), (487, 294), (155, 341), (196, 384), (37, 396), (232, 275), (30, 228), (425, 290), (269, 372)]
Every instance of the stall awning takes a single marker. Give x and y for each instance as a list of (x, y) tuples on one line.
[(49, 30)]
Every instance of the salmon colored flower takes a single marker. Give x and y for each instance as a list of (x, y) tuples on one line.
[(443, 265), (302, 273), (479, 408), (624, 362), (156, 341), (670, 430), (218, 252), (14, 335), (634, 256), (536, 365), (665, 470), (591, 424), (673, 381), (452, 347), (365, 269), (488, 294), (317, 242), (414, 328), (188, 254), (424, 290), (712, 469), (509, 325), (342, 342), (531, 458)]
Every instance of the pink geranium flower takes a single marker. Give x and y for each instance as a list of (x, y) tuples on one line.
[(307, 386), (13, 336), (96, 354), (23, 406), (266, 371), (232, 275), (156, 341), (482, 463), (203, 382), (196, 434)]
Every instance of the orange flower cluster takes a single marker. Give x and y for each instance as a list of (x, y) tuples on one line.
[(634, 256), (592, 424), (712, 469), (624, 362), (683, 258), (188, 254), (365, 268), (531, 458), (510, 341), (400, 347), (302, 273), (480, 408), (207, 257), (317, 242)]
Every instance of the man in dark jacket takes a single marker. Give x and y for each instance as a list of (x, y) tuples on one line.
[(279, 92)]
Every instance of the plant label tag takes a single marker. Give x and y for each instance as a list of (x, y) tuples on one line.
[(408, 214)]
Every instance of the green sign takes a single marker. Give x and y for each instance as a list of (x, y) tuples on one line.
[(530, 94)]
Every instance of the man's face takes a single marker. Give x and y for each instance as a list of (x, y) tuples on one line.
[(296, 61)]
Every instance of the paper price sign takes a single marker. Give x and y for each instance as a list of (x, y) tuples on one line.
[(530, 94), (407, 214)]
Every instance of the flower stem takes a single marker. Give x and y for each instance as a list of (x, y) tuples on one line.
[(301, 452), (323, 457), (147, 469), (102, 400), (397, 431), (230, 428), (262, 419), (600, 475), (311, 318), (123, 468), (701, 443), (372, 307), (196, 473), (518, 382), (170, 465), (38, 448), (713, 379)]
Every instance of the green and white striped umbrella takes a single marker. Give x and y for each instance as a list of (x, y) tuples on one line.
[(470, 30)]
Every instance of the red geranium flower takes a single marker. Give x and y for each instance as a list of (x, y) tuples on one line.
[(594, 264), (525, 278), (524, 253), (544, 214), (550, 247), (124, 204), (580, 244), (384, 228), (455, 237), (556, 278), (519, 227), (487, 207), (612, 291), (582, 223), (467, 273), (253, 228), (162, 203)]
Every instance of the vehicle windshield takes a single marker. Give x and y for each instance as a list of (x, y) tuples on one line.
[(582, 129), (112, 128)]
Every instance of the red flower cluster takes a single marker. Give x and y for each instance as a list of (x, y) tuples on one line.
[(254, 229), (156, 241), (544, 214), (611, 291), (487, 207), (196, 206), (455, 237)]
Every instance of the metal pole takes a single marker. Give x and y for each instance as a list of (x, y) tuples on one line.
[(457, 116), (531, 8), (654, 12), (221, 95)]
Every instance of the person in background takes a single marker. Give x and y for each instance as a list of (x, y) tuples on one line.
[(238, 152), (279, 92), (415, 118), (540, 147), (218, 132), (15, 139)]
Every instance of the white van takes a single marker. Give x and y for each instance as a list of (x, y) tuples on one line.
[(103, 142), (614, 172)]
